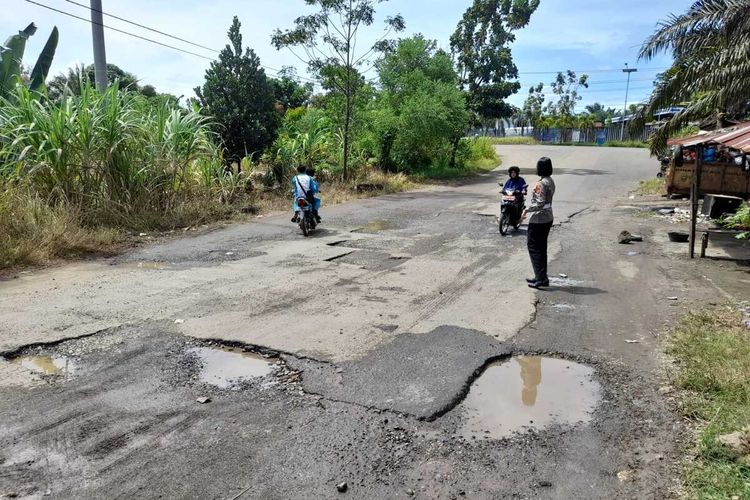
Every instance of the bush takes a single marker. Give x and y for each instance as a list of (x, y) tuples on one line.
[(509, 141), (740, 220)]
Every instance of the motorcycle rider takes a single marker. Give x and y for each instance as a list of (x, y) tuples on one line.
[(315, 188), (515, 183), (302, 187)]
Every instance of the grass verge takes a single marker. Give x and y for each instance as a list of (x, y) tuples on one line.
[(531, 141), (712, 355), (653, 186)]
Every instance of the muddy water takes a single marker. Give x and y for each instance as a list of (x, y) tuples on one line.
[(375, 226), (528, 393), (46, 365), (224, 366)]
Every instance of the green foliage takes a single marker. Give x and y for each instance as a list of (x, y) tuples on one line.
[(739, 220), (481, 46), (329, 37), (509, 141), (600, 113), (240, 99), (713, 368), (75, 78), (710, 75), (288, 91), (11, 58), (420, 116), (307, 139), (111, 153)]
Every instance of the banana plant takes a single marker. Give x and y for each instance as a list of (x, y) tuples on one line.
[(11, 57)]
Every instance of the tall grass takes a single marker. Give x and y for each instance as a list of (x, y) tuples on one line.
[(75, 174), (105, 152)]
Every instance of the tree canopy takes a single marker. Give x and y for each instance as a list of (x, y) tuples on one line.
[(329, 39), (481, 46), (239, 97), (710, 75)]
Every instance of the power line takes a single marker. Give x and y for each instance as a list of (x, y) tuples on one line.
[(614, 70), (149, 39), (119, 30), (144, 27)]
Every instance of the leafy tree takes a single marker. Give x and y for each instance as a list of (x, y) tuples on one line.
[(421, 114), (240, 99), (72, 80), (565, 87), (599, 112), (710, 73), (329, 39), (288, 91), (481, 46), (533, 107)]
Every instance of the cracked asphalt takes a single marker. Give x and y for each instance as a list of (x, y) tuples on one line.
[(376, 327)]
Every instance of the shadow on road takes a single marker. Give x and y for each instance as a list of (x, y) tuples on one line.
[(580, 171)]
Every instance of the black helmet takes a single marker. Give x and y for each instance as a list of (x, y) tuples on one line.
[(514, 169)]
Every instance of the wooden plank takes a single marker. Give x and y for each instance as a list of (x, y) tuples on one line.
[(694, 194)]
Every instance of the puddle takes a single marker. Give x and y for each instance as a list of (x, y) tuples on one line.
[(46, 365), (224, 366), (527, 393), (375, 226)]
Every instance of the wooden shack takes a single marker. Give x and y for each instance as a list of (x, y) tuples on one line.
[(711, 163)]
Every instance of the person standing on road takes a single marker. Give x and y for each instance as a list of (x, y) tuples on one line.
[(540, 222)]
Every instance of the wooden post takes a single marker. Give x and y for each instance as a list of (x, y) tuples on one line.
[(694, 194)]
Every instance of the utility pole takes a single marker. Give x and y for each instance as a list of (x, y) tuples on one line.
[(625, 110), (100, 55)]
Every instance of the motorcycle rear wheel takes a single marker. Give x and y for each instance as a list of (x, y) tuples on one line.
[(303, 224)]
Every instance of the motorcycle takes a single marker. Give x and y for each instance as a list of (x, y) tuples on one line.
[(511, 210), (306, 219), (664, 161)]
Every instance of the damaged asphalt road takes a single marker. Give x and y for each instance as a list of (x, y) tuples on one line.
[(383, 335)]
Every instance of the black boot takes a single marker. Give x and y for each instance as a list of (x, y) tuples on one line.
[(539, 284)]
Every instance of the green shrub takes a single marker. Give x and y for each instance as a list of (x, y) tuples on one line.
[(740, 220)]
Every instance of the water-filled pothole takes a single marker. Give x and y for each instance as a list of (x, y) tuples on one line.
[(375, 226), (46, 365), (528, 393), (226, 366)]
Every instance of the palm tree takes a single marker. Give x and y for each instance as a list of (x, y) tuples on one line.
[(711, 71)]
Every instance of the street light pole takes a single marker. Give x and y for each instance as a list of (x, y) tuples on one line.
[(625, 110), (100, 55)]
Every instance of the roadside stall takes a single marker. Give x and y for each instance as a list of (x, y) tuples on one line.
[(710, 163)]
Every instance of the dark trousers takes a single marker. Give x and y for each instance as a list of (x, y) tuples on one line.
[(537, 243)]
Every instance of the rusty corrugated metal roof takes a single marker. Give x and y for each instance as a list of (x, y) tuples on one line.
[(735, 137)]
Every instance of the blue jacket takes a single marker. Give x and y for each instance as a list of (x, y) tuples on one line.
[(517, 184)]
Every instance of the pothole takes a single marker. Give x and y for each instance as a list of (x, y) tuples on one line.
[(225, 367), (46, 364), (375, 226), (528, 393)]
